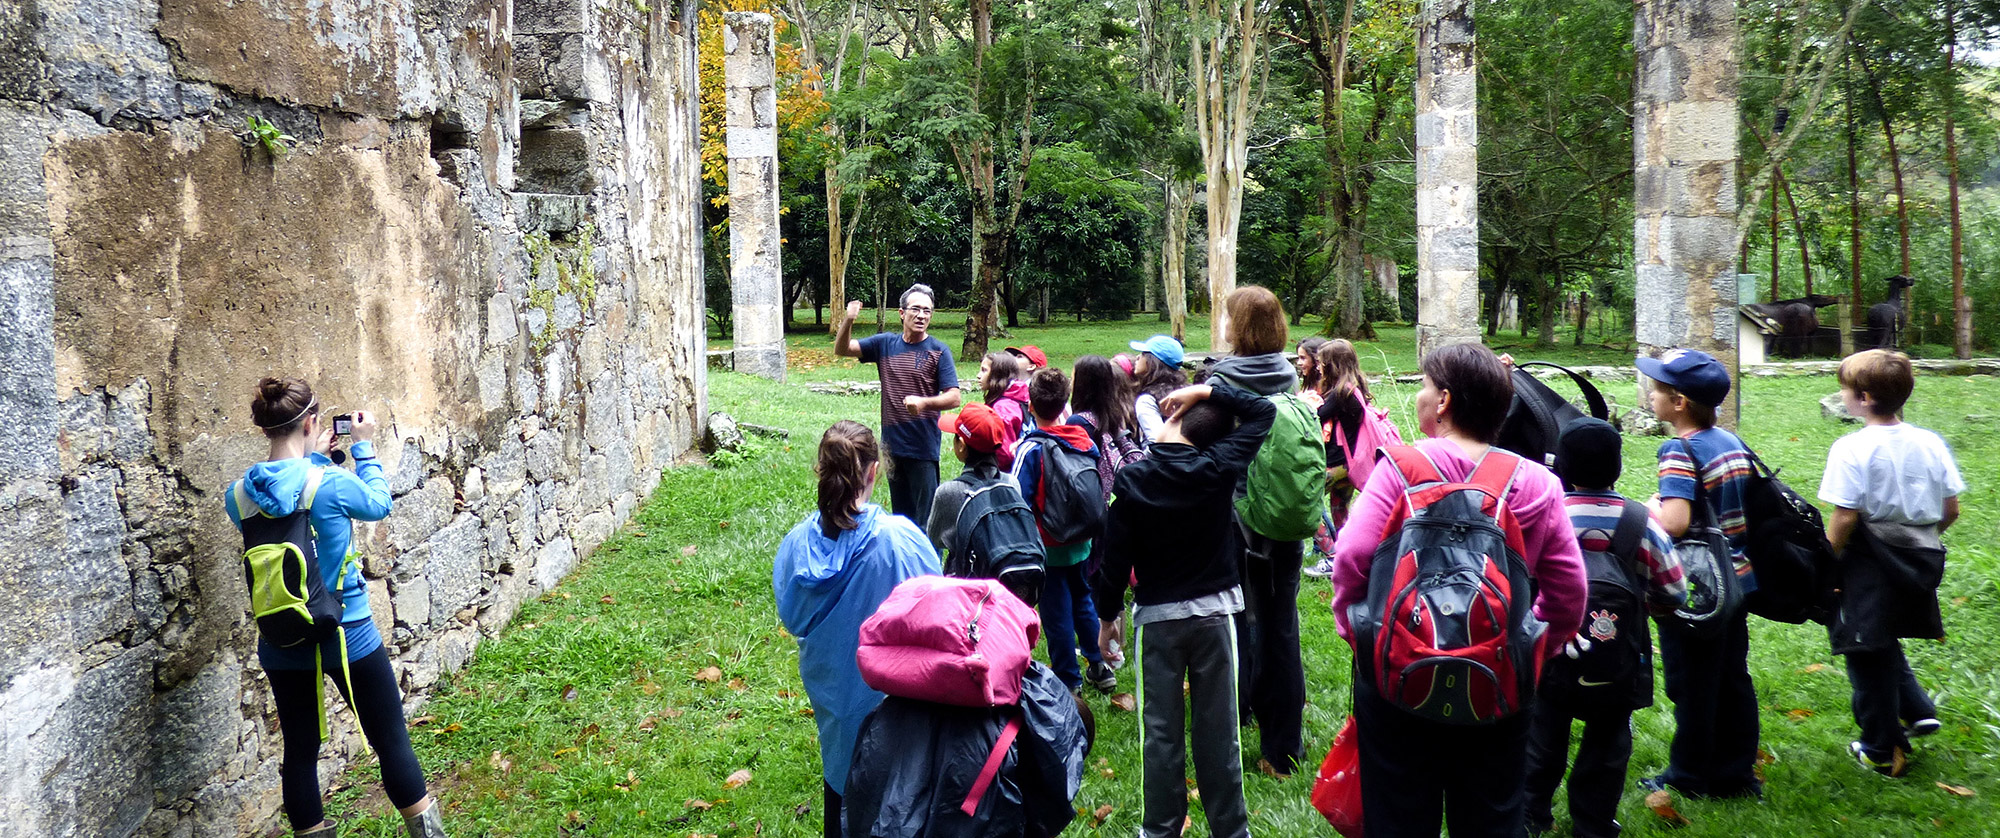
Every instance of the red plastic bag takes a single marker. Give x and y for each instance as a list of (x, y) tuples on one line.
[(1336, 790)]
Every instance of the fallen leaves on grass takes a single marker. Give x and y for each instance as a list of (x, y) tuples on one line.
[(699, 804), (689, 550), (672, 712), (649, 688), (631, 780), (1662, 804), (737, 684), (569, 692), (1799, 714), (1961, 791), (420, 721), (500, 762), (649, 722), (1104, 811), (736, 780), (608, 599), (1815, 668), (1125, 702), (710, 675)]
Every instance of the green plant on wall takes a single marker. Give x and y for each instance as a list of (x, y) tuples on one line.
[(274, 140), (575, 276)]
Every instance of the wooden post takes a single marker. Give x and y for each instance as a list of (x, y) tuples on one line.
[(1844, 317)]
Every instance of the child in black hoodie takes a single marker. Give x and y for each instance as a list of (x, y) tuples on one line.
[(1172, 529)]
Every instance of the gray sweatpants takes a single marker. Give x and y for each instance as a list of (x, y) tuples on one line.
[(1203, 651)]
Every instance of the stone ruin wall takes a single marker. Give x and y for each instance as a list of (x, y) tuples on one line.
[(484, 230)]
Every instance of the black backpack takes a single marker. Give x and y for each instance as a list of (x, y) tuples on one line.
[(1786, 543), (996, 538), (291, 604), (1072, 508), (1617, 669), (1537, 415)]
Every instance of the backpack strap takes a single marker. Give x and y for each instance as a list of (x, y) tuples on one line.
[(1495, 472), (245, 507), (1415, 465), (315, 475), (991, 769), (1631, 528)]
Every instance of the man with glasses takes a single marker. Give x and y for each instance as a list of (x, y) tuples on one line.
[(919, 381)]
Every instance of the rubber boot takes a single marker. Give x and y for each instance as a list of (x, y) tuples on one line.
[(326, 829), (426, 824)]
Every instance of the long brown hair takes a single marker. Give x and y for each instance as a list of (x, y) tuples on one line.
[(845, 453), (1001, 370), (1256, 321), (279, 405), (1314, 372), (1100, 390), (1340, 370), (1479, 385)]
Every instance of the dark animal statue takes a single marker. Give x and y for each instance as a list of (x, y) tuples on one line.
[(1791, 323), (1885, 319)]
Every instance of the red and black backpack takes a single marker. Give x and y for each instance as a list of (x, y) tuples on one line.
[(1447, 630)]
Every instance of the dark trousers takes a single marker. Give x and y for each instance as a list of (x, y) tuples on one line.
[(378, 704), (1068, 616), (1201, 651), (1595, 782), (912, 484), (1886, 695), (1272, 675), (830, 817), (1416, 774), (1714, 752)]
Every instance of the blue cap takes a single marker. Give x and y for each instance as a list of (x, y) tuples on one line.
[(1162, 347), (1693, 372)]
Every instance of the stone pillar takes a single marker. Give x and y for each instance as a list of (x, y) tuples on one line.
[(755, 273), (1684, 131), (1447, 177)]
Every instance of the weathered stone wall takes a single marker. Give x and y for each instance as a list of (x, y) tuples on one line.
[(1447, 128), (756, 278), (483, 229)]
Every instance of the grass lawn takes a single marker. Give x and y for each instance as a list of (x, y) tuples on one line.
[(622, 703)]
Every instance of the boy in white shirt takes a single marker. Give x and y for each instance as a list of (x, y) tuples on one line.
[(1895, 489)]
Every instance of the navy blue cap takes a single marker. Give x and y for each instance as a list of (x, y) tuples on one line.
[(1693, 372)]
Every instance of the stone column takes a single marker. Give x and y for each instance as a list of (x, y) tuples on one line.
[(1447, 177), (755, 278), (1684, 131)]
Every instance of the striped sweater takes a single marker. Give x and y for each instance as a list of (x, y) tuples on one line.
[(1595, 517), (1725, 471)]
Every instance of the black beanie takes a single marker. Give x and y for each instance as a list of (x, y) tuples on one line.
[(1589, 454)]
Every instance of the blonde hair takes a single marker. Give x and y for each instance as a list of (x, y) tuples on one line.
[(1881, 374)]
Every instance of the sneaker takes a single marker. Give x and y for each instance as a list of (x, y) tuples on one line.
[(1923, 727), (1894, 766), (1320, 570), (1102, 676)]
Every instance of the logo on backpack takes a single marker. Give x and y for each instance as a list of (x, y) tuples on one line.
[(1603, 626), (1286, 484), (1446, 631), (996, 538), (1071, 494)]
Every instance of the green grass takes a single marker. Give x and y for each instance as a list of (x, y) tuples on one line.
[(587, 718)]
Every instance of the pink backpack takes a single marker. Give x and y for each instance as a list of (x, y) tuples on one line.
[(1376, 432), (953, 641)]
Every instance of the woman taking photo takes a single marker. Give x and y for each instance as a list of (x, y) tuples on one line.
[(298, 475), (1405, 789), (832, 571)]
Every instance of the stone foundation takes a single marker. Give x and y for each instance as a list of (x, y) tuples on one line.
[(481, 225)]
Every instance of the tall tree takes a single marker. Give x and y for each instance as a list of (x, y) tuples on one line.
[(1961, 305), (827, 77), (1229, 70)]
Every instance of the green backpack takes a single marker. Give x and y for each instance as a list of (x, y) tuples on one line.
[(289, 600), (1286, 486)]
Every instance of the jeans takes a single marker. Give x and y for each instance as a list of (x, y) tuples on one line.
[(1714, 753), (378, 705), (1416, 773), (1597, 780), (1886, 694), (1200, 650), (1069, 620), (1273, 677), (912, 483)]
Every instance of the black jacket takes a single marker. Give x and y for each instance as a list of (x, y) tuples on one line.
[(1886, 593), (1173, 515)]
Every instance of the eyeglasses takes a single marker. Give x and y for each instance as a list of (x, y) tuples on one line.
[(918, 309)]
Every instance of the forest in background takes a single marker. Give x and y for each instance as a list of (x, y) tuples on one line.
[(1075, 159)]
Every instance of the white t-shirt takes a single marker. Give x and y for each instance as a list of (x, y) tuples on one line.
[(1892, 473)]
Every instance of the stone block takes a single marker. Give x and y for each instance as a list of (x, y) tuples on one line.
[(454, 649), (554, 562), (419, 514), (537, 17), (491, 378), (382, 608), (554, 215), (592, 487), (511, 589), (473, 487), (505, 468), (503, 326), (555, 160), (592, 531), (1701, 131), (545, 458), (193, 735), (28, 415), (95, 579), (457, 555)]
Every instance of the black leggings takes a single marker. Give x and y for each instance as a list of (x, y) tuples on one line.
[(379, 706)]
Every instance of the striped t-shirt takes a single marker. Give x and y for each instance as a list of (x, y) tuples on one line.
[(1725, 472), (1595, 517), (923, 369)]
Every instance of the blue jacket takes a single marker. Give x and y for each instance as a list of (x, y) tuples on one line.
[(825, 588), (344, 497)]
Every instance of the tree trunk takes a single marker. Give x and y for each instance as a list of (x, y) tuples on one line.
[(1775, 293), (1895, 162), (1856, 312), (1228, 68), (1798, 228), (1961, 305), (1173, 255), (1582, 316)]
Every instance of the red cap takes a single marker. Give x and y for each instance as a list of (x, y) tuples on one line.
[(977, 424), (1037, 359)]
